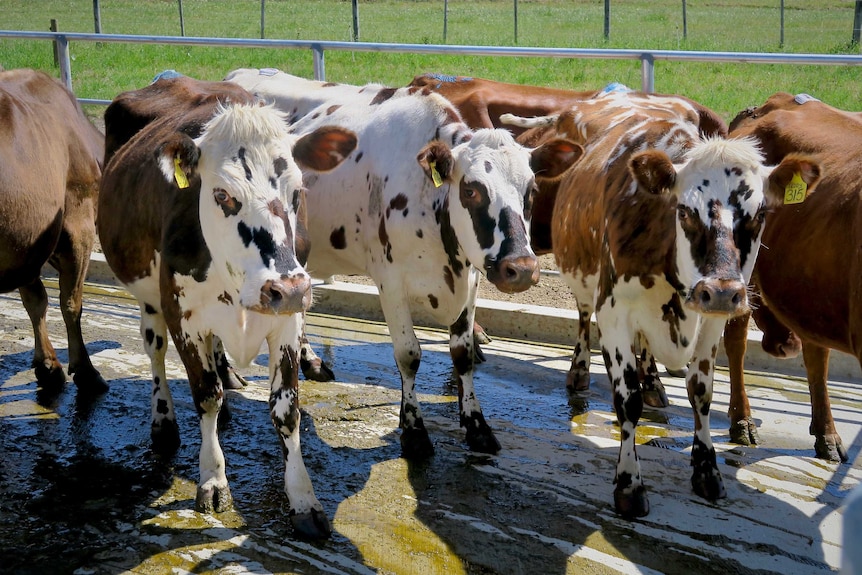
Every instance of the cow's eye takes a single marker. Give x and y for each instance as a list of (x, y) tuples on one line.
[(760, 217), (682, 213), (221, 196), (468, 192)]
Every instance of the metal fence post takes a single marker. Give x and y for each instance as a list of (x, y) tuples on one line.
[(319, 63), (65, 61), (647, 73)]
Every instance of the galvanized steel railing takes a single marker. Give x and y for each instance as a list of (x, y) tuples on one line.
[(647, 58)]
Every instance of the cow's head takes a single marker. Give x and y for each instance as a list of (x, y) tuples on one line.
[(722, 193), (252, 198), (491, 181)]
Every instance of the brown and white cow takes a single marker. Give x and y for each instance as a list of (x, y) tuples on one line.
[(49, 177), (424, 206), (198, 217), (487, 103), (811, 287), (657, 230)]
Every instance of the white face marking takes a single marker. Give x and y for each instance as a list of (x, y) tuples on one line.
[(501, 169), (248, 178)]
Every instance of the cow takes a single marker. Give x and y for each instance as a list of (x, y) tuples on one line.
[(49, 177), (482, 101), (198, 217), (485, 103), (657, 230), (424, 206), (825, 269)]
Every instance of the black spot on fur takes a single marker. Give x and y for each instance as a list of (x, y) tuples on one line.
[(337, 239)]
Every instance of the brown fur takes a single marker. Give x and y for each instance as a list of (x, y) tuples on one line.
[(49, 177), (810, 277)]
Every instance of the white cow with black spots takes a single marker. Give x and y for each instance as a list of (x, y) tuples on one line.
[(198, 216), (423, 206)]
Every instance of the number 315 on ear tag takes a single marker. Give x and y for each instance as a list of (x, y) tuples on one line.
[(795, 191)]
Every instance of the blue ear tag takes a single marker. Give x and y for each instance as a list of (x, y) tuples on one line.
[(802, 98)]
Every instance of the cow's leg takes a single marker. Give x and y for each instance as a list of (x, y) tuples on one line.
[(49, 372), (630, 497), (743, 429), (706, 478), (313, 367), (827, 442), (164, 431), (578, 378), (653, 389), (213, 494), (306, 513), (479, 435), (415, 443), (71, 259)]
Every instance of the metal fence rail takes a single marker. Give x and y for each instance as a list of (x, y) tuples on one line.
[(647, 58)]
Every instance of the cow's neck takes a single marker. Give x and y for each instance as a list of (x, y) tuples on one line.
[(450, 239)]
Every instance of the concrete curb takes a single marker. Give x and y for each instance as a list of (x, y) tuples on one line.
[(507, 320)]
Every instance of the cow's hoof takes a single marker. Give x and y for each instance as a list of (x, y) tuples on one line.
[(480, 336), (213, 499), (631, 503), (415, 444), (708, 485), (90, 382), (165, 437), (481, 439), (311, 525), (50, 376), (316, 370), (830, 448), (744, 432), (656, 396), (578, 380)]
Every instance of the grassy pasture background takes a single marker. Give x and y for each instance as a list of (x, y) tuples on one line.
[(102, 70)]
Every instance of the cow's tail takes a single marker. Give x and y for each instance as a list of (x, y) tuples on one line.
[(536, 122)]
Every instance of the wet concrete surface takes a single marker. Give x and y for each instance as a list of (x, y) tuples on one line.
[(81, 492)]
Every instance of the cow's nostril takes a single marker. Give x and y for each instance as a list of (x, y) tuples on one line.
[(705, 297)]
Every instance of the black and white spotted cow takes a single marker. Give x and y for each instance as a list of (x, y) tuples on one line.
[(198, 216), (423, 206)]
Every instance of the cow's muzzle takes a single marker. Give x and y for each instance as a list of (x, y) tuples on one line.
[(514, 274), (286, 295), (719, 297)]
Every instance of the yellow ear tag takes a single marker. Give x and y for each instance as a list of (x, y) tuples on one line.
[(179, 175), (796, 190), (435, 175)]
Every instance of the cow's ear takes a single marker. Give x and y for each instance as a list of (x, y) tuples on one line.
[(437, 162), (792, 180), (653, 171), (178, 159), (553, 158), (324, 149)]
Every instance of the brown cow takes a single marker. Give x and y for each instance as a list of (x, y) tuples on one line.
[(657, 231), (827, 264), (49, 177)]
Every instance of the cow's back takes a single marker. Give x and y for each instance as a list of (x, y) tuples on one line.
[(597, 197), (175, 96), (51, 159)]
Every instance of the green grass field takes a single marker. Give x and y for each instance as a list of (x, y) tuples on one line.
[(102, 70)]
